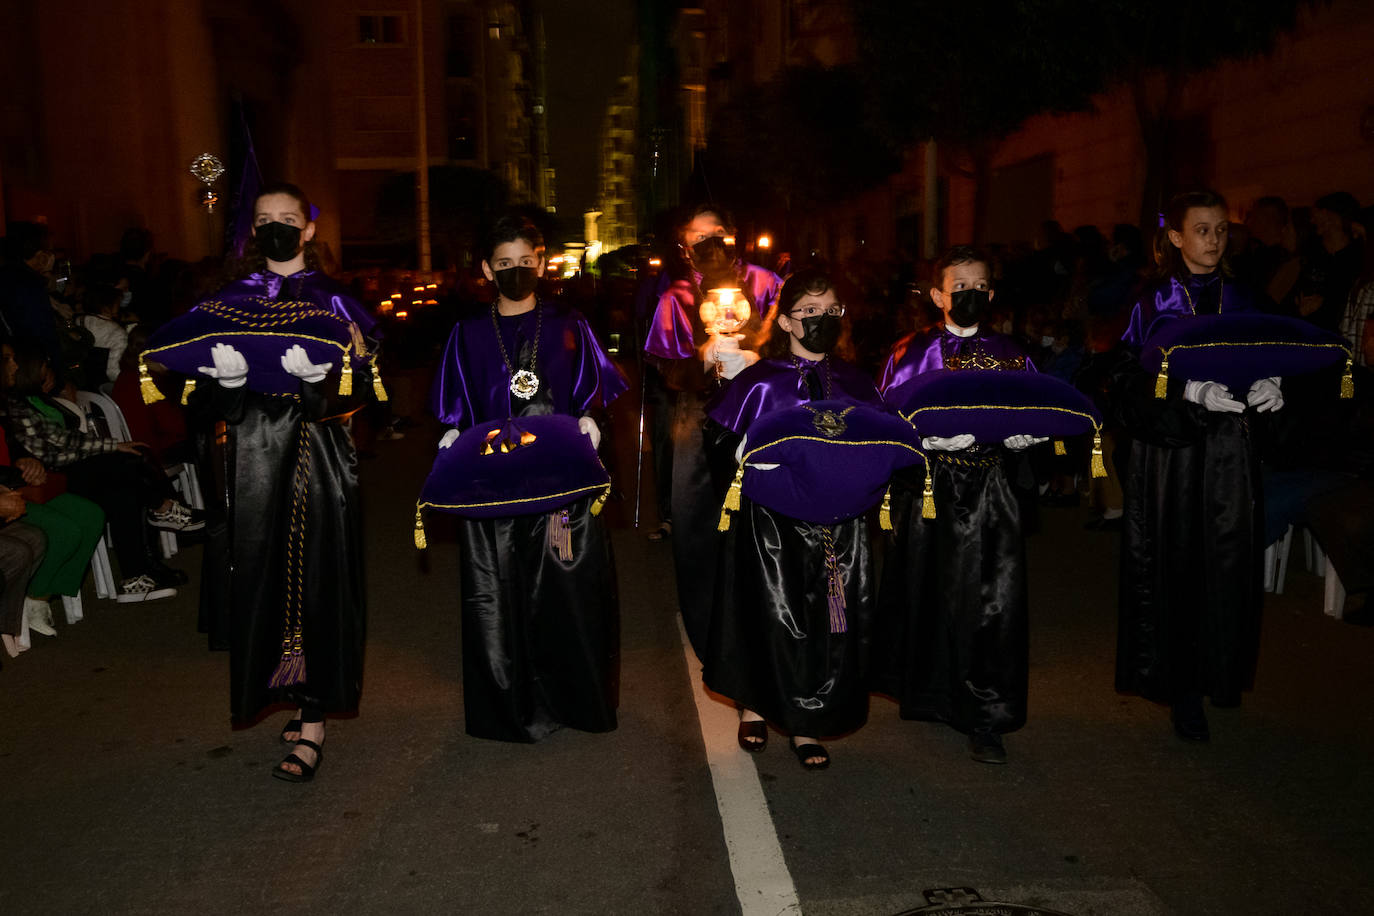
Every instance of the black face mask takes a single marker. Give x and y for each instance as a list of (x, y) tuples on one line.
[(278, 241), (967, 307), (820, 333), (516, 283), (712, 255)]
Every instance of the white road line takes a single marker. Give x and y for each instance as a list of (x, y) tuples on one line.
[(762, 882)]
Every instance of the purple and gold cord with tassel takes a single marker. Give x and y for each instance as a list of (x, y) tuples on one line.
[(1099, 467), (885, 512), (420, 541), (346, 375), (834, 589), (291, 669), (560, 535)]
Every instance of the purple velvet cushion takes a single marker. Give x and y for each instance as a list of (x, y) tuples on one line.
[(993, 405), (555, 466), (1236, 350), (262, 330), (834, 459)]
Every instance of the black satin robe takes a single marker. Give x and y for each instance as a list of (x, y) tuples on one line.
[(269, 443), (1192, 545), (769, 645), (541, 635), (952, 605), (952, 619)]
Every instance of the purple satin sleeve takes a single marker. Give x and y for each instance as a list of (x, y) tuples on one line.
[(472, 384), (309, 286), (597, 380), (1169, 299), (669, 334), (773, 384), (913, 354)]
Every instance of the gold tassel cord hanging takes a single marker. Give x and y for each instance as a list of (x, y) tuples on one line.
[(928, 495), (145, 384), (1348, 380), (186, 390), (420, 542), (885, 512), (1162, 379), (378, 390), (560, 535), (1099, 466), (346, 377), (600, 502), (732, 497), (1059, 448)]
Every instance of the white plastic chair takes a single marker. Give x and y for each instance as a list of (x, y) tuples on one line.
[(1276, 562)]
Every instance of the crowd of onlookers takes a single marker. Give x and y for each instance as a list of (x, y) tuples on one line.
[(82, 458)]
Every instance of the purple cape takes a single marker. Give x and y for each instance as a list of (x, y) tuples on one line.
[(675, 330), (925, 351), (1174, 298), (305, 286), (473, 385), (774, 384)]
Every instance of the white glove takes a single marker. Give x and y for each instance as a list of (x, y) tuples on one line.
[(733, 362), (298, 364), (587, 426), (449, 438), (1265, 395), (1212, 395), (952, 444), (1019, 443), (230, 368)]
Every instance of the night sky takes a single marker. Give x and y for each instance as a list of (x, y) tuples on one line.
[(588, 47)]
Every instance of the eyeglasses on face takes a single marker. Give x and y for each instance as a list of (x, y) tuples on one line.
[(811, 311)]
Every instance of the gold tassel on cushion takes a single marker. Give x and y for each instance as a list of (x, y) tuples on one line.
[(420, 542), (1162, 380), (1099, 466), (560, 535), (1059, 448), (346, 377), (378, 390), (186, 391), (145, 384), (928, 496), (885, 512), (1348, 380), (731, 499), (600, 502)]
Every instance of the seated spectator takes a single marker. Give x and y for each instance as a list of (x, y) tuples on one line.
[(109, 337), (21, 551), (134, 493), (71, 524)]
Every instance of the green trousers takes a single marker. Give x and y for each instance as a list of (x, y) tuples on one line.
[(73, 525)]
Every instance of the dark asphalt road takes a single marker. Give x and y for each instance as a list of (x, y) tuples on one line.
[(125, 790)]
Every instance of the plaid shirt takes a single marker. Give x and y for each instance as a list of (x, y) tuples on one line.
[(48, 440), (1357, 312)]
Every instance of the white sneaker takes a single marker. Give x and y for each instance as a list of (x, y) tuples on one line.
[(142, 588), (39, 615), (177, 518)]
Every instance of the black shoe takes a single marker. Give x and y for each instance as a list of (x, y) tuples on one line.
[(1190, 723), (167, 577), (810, 756), (752, 736), (985, 746)]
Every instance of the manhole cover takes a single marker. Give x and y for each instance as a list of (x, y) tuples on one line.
[(965, 901)]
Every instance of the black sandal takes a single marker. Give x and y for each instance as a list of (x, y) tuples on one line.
[(753, 736), (307, 772), (292, 726), (806, 751)]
